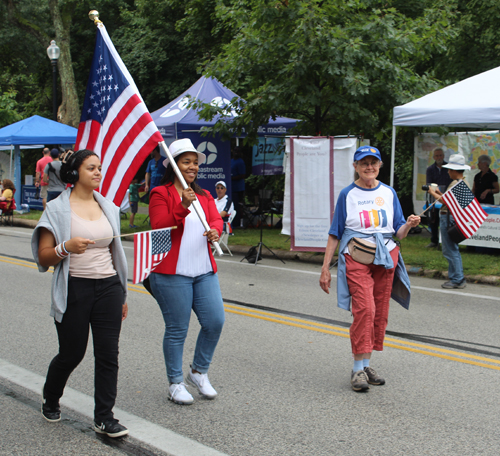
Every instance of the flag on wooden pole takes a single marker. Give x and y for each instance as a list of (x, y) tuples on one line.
[(465, 208), (150, 249), (115, 121)]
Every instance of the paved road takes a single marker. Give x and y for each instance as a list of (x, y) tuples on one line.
[(281, 369)]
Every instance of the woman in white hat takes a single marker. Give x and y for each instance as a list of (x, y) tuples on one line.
[(187, 278), (456, 167)]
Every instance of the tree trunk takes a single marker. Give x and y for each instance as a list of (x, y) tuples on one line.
[(69, 110)]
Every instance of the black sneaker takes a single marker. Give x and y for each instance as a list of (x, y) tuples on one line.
[(51, 412), (111, 428)]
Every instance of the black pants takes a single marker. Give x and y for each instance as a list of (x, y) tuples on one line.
[(95, 303), (434, 225)]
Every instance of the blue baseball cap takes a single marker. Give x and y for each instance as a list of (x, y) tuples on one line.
[(366, 151)]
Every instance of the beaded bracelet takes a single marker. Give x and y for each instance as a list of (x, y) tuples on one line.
[(59, 251)]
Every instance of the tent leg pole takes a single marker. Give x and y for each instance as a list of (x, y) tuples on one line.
[(393, 154), (17, 175)]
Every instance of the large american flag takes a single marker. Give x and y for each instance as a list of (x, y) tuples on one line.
[(465, 208), (150, 249), (115, 122)]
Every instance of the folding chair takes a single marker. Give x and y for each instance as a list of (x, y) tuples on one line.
[(226, 231), (7, 215)]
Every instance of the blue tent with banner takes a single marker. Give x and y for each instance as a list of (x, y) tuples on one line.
[(176, 121), (33, 130)]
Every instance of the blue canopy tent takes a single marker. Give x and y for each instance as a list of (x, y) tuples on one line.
[(176, 121), (33, 130)]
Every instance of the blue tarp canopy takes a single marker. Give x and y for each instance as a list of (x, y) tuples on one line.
[(174, 118), (33, 130), (37, 130)]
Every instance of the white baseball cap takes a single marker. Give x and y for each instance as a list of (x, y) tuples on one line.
[(221, 183), (183, 145)]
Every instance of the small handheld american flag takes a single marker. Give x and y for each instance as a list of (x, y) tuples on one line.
[(465, 208), (150, 249)]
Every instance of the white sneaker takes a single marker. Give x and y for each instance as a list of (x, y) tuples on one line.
[(178, 393), (201, 382)]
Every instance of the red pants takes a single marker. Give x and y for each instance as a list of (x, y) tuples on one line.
[(370, 287)]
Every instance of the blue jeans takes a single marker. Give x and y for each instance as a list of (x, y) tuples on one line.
[(451, 251), (176, 296)]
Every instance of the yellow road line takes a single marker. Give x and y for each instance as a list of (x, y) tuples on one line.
[(320, 327), (24, 263), (398, 344)]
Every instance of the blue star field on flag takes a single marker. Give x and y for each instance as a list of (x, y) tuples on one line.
[(106, 83), (160, 242), (463, 194)]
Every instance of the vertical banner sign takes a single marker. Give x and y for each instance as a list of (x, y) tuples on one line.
[(312, 190), (267, 156), (217, 167)]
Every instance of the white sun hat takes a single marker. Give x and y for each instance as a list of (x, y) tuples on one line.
[(183, 145), (456, 162)]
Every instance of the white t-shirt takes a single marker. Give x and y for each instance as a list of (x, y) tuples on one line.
[(224, 204), (194, 259), (373, 210)]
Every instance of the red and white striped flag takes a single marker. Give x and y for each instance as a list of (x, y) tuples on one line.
[(150, 249), (115, 122), (465, 208)]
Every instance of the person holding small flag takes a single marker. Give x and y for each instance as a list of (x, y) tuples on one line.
[(456, 167), (186, 278), (78, 234), (370, 266)]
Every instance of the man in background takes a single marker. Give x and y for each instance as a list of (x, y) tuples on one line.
[(435, 174), (238, 173), (52, 176), (39, 182), (223, 202), (155, 170)]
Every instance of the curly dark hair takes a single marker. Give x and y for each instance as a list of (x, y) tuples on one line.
[(169, 177), (8, 184), (73, 163)]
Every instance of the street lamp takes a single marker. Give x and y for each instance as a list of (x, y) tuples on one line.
[(54, 52)]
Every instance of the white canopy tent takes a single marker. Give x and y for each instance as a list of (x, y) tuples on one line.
[(471, 103)]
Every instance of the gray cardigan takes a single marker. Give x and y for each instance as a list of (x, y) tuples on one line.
[(57, 219)]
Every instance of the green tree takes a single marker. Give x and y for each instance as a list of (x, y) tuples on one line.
[(477, 46), (339, 66), (8, 112)]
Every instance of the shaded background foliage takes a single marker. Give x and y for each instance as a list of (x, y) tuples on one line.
[(340, 66)]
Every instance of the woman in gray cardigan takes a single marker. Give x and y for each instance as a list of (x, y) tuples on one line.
[(89, 286)]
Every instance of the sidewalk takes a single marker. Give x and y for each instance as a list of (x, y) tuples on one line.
[(317, 258)]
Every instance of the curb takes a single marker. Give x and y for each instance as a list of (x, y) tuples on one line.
[(316, 258)]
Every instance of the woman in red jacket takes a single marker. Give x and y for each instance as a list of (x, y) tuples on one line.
[(187, 278)]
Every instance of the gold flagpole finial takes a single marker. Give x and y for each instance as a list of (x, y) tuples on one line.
[(94, 17)]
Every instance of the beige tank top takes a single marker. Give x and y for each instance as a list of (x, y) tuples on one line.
[(96, 262)]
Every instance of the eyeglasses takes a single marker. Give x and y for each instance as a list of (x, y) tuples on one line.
[(219, 188), (374, 164)]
